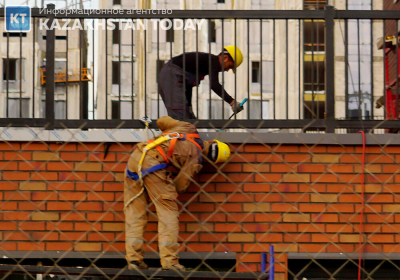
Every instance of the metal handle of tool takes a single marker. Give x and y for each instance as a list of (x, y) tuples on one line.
[(146, 121), (241, 105)]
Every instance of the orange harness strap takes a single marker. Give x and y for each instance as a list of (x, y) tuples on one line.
[(190, 138), (171, 147), (161, 151), (173, 143)]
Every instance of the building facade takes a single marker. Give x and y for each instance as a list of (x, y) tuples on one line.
[(23, 73), (283, 72)]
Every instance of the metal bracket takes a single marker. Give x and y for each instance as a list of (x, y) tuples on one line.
[(106, 148)]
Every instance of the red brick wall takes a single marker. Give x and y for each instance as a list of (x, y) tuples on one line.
[(391, 29), (292, 185)]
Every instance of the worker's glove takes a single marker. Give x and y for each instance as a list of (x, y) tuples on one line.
[(236, 108)]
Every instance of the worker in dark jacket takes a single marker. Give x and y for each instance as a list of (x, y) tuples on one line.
[(177, 97)]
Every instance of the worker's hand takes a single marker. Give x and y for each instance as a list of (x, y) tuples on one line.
[(236, 108)]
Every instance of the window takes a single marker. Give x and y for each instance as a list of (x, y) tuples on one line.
[(160, 65), (255, 72), (314, 76), (117, 2), (115, 72), (59, 109), (359, 86), (255, 109), (10, 68), (158, 109), (314, 109), (216, 109), (116, 33), (212, 33), (60, 64), (170, 35), (314, 36), (14, 107), (221, 1), (121, 110), (314, 4)]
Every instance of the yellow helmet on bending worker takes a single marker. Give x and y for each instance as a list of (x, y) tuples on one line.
[(218, 152), (236, 55)]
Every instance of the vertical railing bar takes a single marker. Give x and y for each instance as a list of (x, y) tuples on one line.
[(145, 69), (106, 37), (20, 74), (209, 69), (274, 85), (287, 69), (93, 88), (170, 55), (8, 72), (385, 115), (312, 72), (66, 78), (186, 101), (261, 68), (235, 65), (248, 67), (132, 81), (359, 70), (317, 67), (372, 69), (50, 55), (119, 69), (397, 74), (223, 72), (83, 106), (300, 101), (346, 68), (330, 70), (157, 67), (33, 67), (197, 70)]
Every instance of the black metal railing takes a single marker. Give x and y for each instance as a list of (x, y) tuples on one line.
[(280, 76)]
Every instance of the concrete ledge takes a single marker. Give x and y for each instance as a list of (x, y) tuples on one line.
[(134, 136)]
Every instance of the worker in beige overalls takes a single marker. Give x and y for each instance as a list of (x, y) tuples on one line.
[(179, 145)]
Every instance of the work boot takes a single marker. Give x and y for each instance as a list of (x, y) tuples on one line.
[(176, 267), (135, 265)]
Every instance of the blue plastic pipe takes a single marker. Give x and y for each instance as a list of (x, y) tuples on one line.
[(271, 263), (263, 262)]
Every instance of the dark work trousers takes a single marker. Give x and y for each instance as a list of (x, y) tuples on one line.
[(175, 97)]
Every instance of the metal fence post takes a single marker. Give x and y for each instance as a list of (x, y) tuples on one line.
[(50, 54), (329, 70)]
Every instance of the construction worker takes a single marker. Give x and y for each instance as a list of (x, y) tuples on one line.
[(179, 145), (178, 99)]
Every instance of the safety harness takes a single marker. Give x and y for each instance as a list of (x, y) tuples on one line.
[(174, 137)]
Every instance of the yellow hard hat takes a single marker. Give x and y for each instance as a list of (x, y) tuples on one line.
[(231, 51), (219, 152)]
